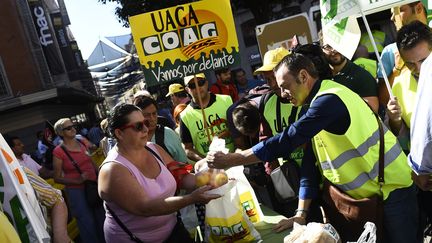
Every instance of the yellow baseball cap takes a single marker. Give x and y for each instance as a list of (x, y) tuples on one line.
[(271, 59), (174, 88), (187, 79)]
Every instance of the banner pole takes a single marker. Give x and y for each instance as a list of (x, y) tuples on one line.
[(202, 109), (376, 53)]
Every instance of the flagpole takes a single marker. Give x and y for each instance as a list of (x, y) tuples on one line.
[(376, 52), (206, 128)]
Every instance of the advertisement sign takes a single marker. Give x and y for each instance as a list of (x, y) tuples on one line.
[(179, 41), (63, 42), (280, 33), (46, 38), (19, 200)]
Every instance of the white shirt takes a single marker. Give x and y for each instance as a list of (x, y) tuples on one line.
[(28, 162), (420, 157)]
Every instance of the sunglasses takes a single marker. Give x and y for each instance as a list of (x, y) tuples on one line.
[(68, 128), (200, 82), (137, 126)]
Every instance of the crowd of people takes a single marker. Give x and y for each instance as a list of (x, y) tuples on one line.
[(326, 116)]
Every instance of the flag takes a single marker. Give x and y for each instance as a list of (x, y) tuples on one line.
[(340, 28), (19, 199), (334, 11)]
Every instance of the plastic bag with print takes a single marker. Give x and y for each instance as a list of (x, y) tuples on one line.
[(226, 221)]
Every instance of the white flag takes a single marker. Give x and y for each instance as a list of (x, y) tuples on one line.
[(343, 36), (334, 11)]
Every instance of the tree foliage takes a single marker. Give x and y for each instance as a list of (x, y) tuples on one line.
[(129, 8), (263, 11)]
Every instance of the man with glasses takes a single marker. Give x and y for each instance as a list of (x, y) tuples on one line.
[(194, 133), (352, 76)]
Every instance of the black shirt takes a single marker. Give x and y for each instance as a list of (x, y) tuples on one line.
[(357, 79)]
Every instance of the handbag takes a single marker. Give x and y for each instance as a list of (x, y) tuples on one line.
[(286, 181), (349, 215), (90, 187)]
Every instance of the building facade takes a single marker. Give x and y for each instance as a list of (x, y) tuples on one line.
[(42, 74)]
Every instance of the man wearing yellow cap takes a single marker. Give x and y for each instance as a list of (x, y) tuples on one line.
[(194, 133), (177, 94)]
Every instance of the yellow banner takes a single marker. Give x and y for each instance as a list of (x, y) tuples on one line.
[(191, 38)]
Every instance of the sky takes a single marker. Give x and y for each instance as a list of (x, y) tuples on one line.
[(91, 21)]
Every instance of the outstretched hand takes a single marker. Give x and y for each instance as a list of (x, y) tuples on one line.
[(199, 195), (220, 160)]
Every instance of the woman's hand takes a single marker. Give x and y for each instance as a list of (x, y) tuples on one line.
[(199, 195), (288, 223), (83, 177)]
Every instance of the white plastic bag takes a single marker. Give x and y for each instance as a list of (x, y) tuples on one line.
[(225, 219), (313, 233), (369, 234), (248, 199)]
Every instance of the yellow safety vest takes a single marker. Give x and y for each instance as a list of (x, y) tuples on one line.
[(216, 121), (350, 161), (405, 89), (367, 64), (288, 114), (379, 38)]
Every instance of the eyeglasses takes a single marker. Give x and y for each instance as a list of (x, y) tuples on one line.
[(201, 82), (137, 126), (327, 47), (68, 128)]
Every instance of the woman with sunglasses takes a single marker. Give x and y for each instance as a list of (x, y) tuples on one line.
[(137, 186), (72, 167)]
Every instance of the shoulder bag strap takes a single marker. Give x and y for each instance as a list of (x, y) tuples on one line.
[(155, 154), (71, 159), (381, 154), (125, 229)]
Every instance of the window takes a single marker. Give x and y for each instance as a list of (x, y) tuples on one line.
[(5, 91)]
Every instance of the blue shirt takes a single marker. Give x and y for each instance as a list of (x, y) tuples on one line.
[(388, 59), (327, 112)]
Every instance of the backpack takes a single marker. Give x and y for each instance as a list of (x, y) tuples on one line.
[(160, 138)]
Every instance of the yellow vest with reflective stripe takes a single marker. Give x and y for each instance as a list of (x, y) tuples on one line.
[(216, 120), (379, 38), (368, 65), (405, 89), (277, 126), (350, 161)]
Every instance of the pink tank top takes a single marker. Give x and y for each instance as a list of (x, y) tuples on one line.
[(147, 229)]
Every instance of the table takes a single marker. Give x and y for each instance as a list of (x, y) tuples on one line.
[(271, 218)]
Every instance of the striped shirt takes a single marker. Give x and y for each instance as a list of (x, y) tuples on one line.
[(47, 195)]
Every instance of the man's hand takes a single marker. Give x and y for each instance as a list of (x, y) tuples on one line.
[(220, 160), (288, 223), (394, 110), (424, 182)]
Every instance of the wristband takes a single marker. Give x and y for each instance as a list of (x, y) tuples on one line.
[(301, 211)]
